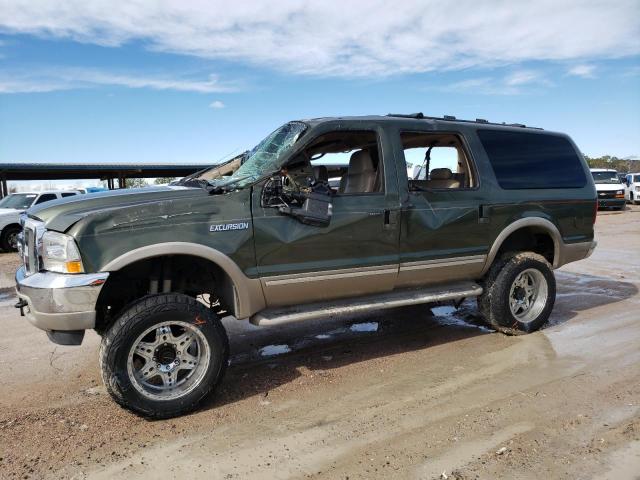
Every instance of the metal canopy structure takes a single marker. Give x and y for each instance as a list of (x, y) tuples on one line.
[(102, 171)]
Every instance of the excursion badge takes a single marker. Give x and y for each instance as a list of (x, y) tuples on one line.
[(224, 227)]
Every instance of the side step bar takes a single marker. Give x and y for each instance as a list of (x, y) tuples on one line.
[(396, 298)]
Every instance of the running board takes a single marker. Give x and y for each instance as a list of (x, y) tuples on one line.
[(396, 298)]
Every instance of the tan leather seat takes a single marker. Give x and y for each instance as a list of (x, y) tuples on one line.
[(442, 178), (361, 176), (321, 173)]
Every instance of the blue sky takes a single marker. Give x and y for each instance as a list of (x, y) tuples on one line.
[(198, 81)]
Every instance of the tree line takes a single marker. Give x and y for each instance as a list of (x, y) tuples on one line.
[(620, 165)]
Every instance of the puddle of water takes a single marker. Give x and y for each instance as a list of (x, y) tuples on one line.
[(446, 315), (364, 327), (271, 350), (444, 310)]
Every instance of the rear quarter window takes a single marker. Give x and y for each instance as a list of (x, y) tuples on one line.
[(522, 160)]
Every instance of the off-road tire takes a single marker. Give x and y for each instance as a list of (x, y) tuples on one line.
[(135, 319), (493, 304), (6, 235)]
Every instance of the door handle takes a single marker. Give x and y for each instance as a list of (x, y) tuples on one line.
[(483, 213), (390, 218)]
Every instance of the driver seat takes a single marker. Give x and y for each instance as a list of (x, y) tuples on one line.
[(361, 176)]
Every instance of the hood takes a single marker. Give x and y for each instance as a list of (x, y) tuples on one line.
[(9, 211), (60, 215), (609, 187)]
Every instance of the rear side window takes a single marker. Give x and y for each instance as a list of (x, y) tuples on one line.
[(532, 160), (46, 197), (68, 194)]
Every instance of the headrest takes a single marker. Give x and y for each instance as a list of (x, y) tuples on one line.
[(441, 174), (360, 162), (321, 173)]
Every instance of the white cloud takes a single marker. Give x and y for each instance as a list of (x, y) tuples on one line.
[(515, 83), (356, 38), (48, 80), (217, 104), (523, 77), (582, 70)]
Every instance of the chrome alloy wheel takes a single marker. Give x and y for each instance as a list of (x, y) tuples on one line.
[(168, 360), (528, 295)]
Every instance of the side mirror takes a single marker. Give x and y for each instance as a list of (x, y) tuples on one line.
[(312, 207), (316, 209)]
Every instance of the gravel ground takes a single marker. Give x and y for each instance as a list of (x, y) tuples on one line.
[(411, 393)]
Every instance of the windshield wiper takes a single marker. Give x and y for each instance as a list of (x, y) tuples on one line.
[(192, 182), (225, 187)]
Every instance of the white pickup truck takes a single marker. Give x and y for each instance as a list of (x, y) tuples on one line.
[(12, 205), (632, 188)]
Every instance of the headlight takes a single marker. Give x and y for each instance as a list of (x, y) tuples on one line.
[(638, 188), (60, 253)]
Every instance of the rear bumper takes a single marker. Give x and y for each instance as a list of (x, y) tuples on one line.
[(572, 252), (56, 301)]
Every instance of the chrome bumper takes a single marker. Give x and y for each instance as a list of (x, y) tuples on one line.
[(56, 301)]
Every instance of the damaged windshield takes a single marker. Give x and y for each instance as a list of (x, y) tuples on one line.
[(263, 159)]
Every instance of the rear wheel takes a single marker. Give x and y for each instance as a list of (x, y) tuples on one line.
[(519, 292), (163, 355), (9, 238)]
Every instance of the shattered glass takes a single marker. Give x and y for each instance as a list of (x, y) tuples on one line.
[(265, 157)]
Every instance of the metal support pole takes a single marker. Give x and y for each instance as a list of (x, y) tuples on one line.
[(4, 190)]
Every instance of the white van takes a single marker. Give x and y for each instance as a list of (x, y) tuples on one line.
[(610, 190)]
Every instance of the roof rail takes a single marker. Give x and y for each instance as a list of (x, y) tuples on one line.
[(451, 118), (406, 115)]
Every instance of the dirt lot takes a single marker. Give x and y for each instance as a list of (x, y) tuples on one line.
[(410, 393)]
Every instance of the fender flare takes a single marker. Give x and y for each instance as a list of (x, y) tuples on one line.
[(540, 222), (248, 294)]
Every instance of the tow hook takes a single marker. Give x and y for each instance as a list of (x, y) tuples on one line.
[(21, 304)]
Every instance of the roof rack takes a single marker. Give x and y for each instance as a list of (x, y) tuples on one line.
[(451, 118)]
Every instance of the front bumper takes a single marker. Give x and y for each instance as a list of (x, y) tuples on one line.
[(56, 301), (611, 202)]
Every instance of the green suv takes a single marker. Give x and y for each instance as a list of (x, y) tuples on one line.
[(323, 217)]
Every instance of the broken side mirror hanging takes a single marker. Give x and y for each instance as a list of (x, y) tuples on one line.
[(316, 209)]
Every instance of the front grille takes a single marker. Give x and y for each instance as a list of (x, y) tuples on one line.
[(32, 232), (606, 195)]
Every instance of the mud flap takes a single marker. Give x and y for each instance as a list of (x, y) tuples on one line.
[(66, 337)]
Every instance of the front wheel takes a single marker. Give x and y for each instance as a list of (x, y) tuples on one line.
[(9, 238), (519, 292), (163, 355)]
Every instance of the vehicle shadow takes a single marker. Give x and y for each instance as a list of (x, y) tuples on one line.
[(318, 348)]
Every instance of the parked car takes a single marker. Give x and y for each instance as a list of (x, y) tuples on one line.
[(632, 188), (12, 205), (610, 189), (492, 210), (92, 189)]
